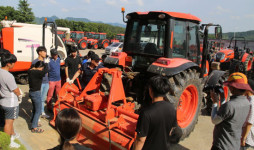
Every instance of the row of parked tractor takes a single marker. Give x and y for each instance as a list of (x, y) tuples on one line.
[(237, 56), (90, 40)]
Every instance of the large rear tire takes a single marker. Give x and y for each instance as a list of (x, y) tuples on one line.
[(248, 63), (244, 67), (208, 101), (186, 92)]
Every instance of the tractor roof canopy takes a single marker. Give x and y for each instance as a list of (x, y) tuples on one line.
[(167, 15)]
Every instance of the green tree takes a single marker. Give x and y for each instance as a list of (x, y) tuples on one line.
[(8, 11), (25, 13)]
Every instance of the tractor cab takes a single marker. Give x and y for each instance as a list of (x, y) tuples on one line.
[(100, 36), (120, 37), (89, 35), (152, 35), (77, 35)]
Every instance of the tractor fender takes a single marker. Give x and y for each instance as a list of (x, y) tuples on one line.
[(245, 57), (80, 40), (213, 78), (105, 40), (171, 66), (116, 58)]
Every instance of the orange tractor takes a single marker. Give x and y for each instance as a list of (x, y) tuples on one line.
[(99, 41), (237, 57), (156, 42), (79, 38), (118, 38)]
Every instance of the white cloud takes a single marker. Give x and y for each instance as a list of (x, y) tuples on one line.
[(235, 17), (111, 2), (220, 10), (53, 1), (86, 1), (65, 10), (124, 1), (249, 16), (140, 2), (32, 5)]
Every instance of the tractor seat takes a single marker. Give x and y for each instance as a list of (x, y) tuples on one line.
[(150, 48)]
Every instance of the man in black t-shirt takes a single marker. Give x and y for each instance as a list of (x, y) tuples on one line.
[(72, 64), (156, 121), (88, 70)]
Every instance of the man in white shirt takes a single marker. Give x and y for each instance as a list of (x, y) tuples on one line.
[(10, 96)]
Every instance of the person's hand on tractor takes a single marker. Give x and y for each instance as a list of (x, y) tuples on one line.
[(67, 79), (71, 82)]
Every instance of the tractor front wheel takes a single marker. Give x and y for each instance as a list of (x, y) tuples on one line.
[(83, 44), (105, 44), (95, 46), (186, 93)]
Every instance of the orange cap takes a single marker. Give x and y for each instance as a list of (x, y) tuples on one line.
[(238, 80)]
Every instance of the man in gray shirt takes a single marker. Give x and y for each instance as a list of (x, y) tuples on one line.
[(10, 96), (230, 117)]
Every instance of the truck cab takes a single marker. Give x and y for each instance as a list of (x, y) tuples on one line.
[(22, 40)]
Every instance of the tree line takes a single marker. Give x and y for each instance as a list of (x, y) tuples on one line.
[(24, 14), (90, 27)]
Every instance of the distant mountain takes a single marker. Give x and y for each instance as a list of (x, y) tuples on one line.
[(248, 35), (53, 18), (78, 19)]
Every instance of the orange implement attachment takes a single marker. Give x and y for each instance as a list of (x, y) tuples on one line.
[(108, 121)]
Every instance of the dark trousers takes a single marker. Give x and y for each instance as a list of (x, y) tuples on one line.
[(2, 119), (214, 148), (36, 101), (245, 147)]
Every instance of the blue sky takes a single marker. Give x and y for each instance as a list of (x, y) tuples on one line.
[(233, 15)]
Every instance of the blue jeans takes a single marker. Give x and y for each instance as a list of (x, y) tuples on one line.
[(36, 101), (44, 92)]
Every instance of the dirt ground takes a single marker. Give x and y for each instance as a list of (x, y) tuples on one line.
[(200, 138)]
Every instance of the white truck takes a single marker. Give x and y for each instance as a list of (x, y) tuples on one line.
[(22, 39)]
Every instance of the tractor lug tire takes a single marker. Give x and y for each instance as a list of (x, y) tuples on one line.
[(186, 84)]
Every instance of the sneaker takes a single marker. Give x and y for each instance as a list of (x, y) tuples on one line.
[(16, 135), (45, 116), (13, 144)]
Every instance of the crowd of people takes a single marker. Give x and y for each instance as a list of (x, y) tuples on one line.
[(44, 80), (157, 126)]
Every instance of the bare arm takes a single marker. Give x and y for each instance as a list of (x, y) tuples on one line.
[(17, 91), (66, 72), (245, 133), (139, 143), (76, 75)]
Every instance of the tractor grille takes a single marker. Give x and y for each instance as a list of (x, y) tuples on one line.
[(107, 50), (219, 56)]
